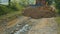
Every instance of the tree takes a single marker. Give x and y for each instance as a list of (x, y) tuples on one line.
[(44, 2), (57, 5), (38, 2), (9, 2)]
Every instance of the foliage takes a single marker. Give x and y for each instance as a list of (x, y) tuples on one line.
[(57, 5), (12, 7), (57, 19), (4, 10), (27, 2), (16, 6), (49, 2)]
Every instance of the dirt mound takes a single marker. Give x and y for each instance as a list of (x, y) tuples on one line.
[(39, 12)]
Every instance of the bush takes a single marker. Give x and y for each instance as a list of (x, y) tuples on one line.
[(15, 6), (57, 2), (4, 10), (10, 8)]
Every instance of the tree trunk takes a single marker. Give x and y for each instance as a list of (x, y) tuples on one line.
[(9, 2), (38, 2)]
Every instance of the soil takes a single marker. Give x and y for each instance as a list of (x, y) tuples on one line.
[(27, 25), (39, 12)]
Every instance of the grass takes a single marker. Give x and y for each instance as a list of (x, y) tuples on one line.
[(11, 14), (58, 22)]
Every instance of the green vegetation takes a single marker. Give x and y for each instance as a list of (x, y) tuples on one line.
[(57, 5), (4, 10), (58, 22), (15, 6), (12, 7)]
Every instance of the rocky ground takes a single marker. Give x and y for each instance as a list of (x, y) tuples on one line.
[(27, 25)]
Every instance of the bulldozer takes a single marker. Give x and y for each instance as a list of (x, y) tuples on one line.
[(40, 10)]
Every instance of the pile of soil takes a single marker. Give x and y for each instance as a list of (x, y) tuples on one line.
[(39, 12)]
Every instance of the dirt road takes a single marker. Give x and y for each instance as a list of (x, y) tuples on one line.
[(44, 26), (39, 26), (25, 25)]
